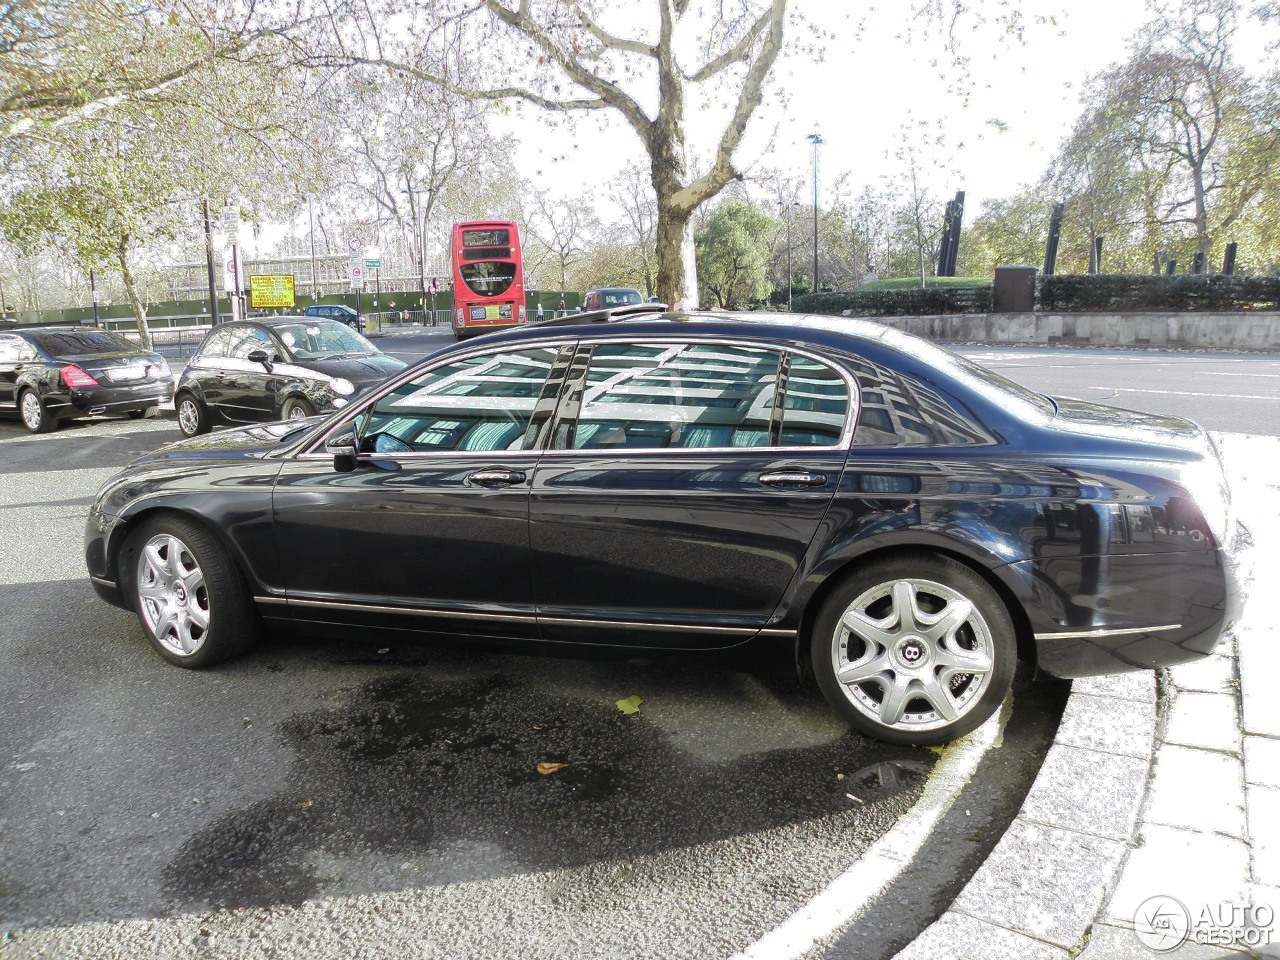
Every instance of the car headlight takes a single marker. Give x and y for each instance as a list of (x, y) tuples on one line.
[(342, 386)]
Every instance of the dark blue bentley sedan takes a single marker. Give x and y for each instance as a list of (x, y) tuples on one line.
[(910, 522)]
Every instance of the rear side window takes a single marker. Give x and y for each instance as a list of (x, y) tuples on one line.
[(691, 396), (86, 343), (900, 411), (15, 350)]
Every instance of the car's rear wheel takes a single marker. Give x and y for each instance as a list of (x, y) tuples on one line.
[(35, 415), (918, 649), (193, 417), (192, 600), (143, 413), (295, 408)]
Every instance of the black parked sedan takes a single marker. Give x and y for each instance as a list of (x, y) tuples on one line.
[(283, 368), (50, 374), (910, 522)]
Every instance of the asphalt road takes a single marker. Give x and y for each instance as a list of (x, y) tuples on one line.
[(328, 788), (324, 798), (1230, 392)]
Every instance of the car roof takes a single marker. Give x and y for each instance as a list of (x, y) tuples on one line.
[(614, 290)]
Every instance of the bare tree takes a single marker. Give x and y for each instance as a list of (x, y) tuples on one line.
[(577, 64)]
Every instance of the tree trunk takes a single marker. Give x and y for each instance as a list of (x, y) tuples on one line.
[(670, 244), (131, 288)]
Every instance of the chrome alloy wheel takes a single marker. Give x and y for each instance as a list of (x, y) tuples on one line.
[(32, 411), (172, 594), (298, 412), (188, 416), (912, 654)]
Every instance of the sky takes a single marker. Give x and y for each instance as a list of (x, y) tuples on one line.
[(875, 73)]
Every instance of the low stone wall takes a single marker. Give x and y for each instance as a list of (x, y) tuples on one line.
[(1231, 331)]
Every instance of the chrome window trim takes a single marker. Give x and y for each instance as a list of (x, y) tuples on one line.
[(316, 450), (1105, 632)]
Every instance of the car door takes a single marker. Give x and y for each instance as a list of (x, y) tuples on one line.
[(14, 353), (684, 484), (247, 386), (430, 530)]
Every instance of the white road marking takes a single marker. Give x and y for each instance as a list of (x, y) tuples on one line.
[(1185, 393), (856, 889)]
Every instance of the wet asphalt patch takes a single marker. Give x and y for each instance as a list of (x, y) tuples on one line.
[(439, 772)]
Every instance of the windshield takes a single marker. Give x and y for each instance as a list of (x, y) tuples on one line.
[(489, 278), (322, 339)]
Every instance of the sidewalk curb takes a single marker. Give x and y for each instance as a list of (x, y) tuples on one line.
[(1037, 894)]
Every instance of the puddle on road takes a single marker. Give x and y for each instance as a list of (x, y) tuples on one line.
[(437, 775)]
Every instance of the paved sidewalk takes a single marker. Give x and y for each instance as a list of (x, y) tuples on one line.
[(1160, 798)]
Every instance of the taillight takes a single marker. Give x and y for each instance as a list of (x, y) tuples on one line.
[(163, 368), (76, 378)]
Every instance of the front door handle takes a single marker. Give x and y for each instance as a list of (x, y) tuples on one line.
[(794, 478), (496, 477)]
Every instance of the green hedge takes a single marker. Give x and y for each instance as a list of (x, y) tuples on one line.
[(913, 302), (1105, 293)]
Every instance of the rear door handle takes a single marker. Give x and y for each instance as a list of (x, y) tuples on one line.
[(496, 477), (793, 478)]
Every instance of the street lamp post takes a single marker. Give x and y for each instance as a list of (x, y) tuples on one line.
[(420, 240), (816, 140), (788, 212), (315, 280), (93, 295)]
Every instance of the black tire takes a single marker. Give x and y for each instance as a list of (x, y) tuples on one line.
[(35, 415), (193, 416), (458, 334), (920, 660), (296, 408), (221, 597)]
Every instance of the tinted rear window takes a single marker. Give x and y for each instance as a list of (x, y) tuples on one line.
[(81, 343)]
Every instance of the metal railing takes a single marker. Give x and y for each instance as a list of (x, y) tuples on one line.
[(176, 336)]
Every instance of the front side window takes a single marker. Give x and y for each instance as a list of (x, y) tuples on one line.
[(245, 340), (217, 343), (681, 395), (475, 404)]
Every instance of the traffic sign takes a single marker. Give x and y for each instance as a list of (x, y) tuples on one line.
[(372, 264)]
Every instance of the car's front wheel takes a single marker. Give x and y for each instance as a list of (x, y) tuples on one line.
[(918, 649), (192, 600), (193, 417), (295, 408), (35, 415)]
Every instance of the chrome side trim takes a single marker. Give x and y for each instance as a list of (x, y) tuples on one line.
[(103, 580), (519, 617), (1103, 632), (638, 625), (777, 632)]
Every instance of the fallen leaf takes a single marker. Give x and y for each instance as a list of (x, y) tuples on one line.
[(630, 705), (546, 768), (853, 798), (305, 804)]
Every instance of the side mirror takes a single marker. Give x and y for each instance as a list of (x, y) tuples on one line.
[(260, 356), (343, 448)]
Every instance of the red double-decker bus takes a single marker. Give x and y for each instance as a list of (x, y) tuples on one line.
[(488, 277)]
